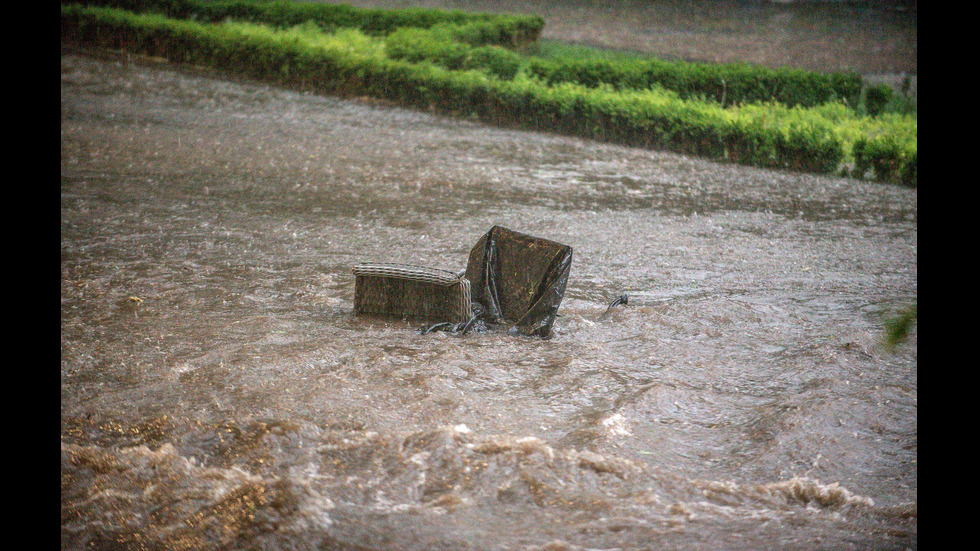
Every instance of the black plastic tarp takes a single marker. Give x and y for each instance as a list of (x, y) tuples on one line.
[(519, 279)]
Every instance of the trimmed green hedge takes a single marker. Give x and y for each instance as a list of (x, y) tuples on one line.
[(417, 45), (889, 158), (353, 64), (728, 84), (476, 29)]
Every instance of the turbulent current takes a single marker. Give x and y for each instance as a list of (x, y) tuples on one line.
[(218, 392)]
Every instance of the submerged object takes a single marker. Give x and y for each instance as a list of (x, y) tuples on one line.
[(511, 279), (623, 299), (410, 291), (519, 279)]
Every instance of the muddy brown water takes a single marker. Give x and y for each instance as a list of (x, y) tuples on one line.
[(218, 392)]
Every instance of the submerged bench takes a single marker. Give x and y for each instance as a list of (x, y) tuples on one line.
[(412, 292), (512, 278)]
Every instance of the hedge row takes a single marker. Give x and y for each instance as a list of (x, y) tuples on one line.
[(888, 158), (472, 28), (644, 118), (417, 45), (728, 84), (882, 148)]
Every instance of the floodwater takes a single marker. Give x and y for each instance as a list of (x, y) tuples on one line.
[(217, 391)]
